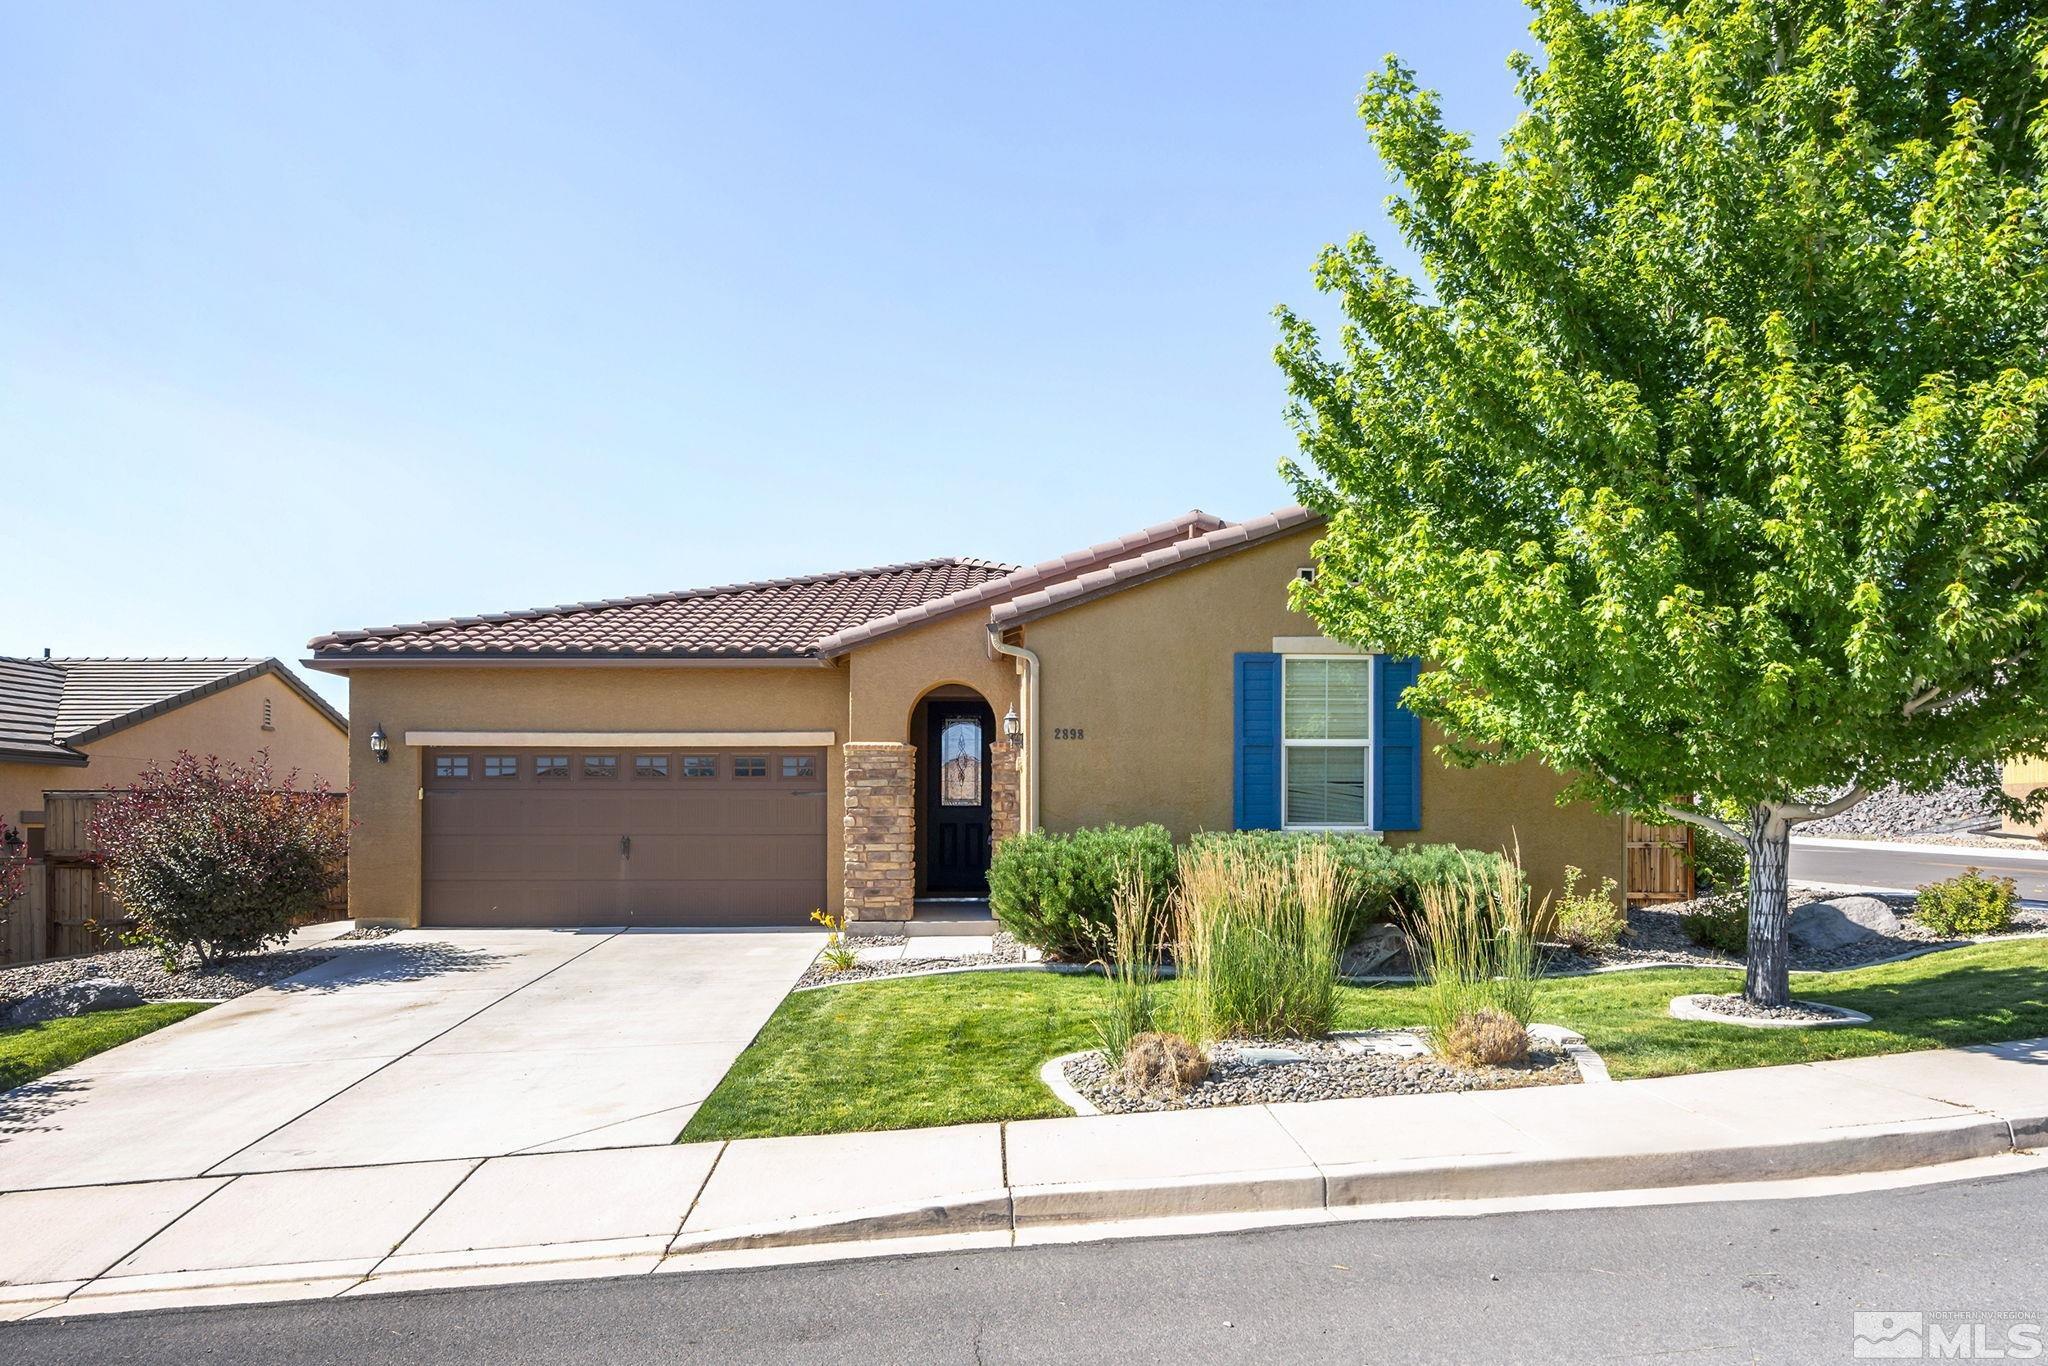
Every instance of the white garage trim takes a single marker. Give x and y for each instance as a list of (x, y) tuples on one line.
[(622, 739)]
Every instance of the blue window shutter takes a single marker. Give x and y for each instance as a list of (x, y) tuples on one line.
[(1396, 747), (1258, 742)]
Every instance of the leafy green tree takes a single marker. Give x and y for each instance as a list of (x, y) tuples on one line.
[(1707, 462)]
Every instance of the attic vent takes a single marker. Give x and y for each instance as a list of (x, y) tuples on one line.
[(266, 715), (1307, 573)]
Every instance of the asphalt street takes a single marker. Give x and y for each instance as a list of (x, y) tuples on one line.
[(1761, 1281), (1881, 867)]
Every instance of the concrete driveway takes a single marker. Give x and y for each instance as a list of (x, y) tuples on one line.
[(423, 1046)]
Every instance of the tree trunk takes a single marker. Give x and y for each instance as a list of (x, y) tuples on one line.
[(1768, 838)]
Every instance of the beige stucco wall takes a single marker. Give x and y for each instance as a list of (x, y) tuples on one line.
[(888, 677), (1147, 676), (228, 723), (384, 860)]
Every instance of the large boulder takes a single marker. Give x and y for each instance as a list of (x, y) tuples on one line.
[(1840, 921), (1381, 951), (74, 998)]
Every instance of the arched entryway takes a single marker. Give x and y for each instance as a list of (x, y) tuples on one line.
[(953, 727)]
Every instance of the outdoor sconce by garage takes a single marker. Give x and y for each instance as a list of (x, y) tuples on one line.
[(1012, 728), (380, 745)]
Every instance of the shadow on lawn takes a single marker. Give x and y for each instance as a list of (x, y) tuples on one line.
[(1966, 1003)]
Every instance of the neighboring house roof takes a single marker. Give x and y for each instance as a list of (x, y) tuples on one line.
[(50, 706), (773, 619), (812, 618), (31, 690)]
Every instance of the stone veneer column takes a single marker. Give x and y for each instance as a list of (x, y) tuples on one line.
[(1005, 789), (880, 830)]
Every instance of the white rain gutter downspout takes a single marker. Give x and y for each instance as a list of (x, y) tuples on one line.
[(1027, 664)]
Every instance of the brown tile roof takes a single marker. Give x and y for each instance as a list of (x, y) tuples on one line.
[(47, 706), (774, 619), (1149, 565), (1189, 524)]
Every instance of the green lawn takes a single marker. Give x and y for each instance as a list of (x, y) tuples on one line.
[(30, 1051), (957, 1049)]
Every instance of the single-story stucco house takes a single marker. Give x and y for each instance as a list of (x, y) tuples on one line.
[(94, 724), (857, 742)]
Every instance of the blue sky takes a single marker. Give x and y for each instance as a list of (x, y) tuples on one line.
[(319, 316)]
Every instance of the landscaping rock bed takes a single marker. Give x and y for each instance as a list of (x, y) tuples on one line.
[(1006, 951), (365, 932), (1735, 1010), (144, 970), (1892, 814), (1656, 934), (1246, 1072)]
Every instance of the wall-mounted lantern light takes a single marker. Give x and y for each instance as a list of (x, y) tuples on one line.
[(380, 745), (1012, 727)]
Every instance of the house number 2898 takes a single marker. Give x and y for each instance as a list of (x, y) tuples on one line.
[(1068, 733)]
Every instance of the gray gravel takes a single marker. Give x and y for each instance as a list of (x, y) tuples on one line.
[(365, 932), (1328, 1073), (1743, 1008), (144, 970), (1007, 950), (1655, 935)]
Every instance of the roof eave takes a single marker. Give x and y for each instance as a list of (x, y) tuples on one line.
[(344, 664), (1003, 620)]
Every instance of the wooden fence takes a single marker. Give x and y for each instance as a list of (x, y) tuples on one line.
[(1659, 862), (67, 908)]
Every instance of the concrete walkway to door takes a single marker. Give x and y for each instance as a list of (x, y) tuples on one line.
[(431, 1044)]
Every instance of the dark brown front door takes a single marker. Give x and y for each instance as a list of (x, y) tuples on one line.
[(956, 798), (623, 837)]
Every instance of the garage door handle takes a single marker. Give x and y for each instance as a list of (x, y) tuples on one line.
[(625, 846)]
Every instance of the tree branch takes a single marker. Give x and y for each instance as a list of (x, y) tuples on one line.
[(1921, 702), (1796, 813), (1683, 814)]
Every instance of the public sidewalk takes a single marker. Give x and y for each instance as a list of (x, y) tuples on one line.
[(325, 1232)]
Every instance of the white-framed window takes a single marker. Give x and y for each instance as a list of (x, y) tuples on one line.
[(1326, 742)]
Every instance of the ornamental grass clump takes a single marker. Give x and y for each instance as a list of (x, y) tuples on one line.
[(1128, 1004), (1473, 945), (1257, 942)]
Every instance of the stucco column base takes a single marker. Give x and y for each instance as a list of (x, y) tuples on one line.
[(1005, 789), (880, 829)]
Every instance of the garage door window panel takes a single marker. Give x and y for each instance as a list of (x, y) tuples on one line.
[(601, 767), (551, 767), (650, 766), (451, 766), (501, 766)]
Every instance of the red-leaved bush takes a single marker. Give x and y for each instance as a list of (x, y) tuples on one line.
[(217, 857), (13, 863)]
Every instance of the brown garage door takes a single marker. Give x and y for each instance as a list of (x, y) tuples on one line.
[(624, 837)]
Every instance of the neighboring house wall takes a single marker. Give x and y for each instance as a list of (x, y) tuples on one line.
[(1146, 676), (228, 723), (2022, 777), (384, 859)]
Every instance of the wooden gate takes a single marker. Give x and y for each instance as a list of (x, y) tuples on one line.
[(1659, 862), (67, 908)]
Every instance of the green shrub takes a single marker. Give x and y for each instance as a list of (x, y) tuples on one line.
[(1372, 874), (1258, 940), (1722, 923), (1426, 866), (1588, 920), (1719, 864), (1975, 903), (216, 857), (1058, 892)]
